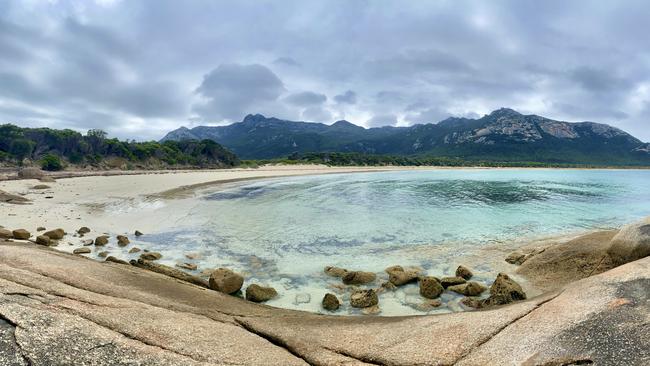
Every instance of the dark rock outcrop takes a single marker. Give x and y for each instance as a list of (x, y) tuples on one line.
[(331, 302), (226, 281), (364, 298), (430, 287), (257, 293)]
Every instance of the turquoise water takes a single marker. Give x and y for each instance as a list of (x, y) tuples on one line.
[(284, 231)]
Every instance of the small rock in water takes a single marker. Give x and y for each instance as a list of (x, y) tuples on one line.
[(83, 250), (110, 258), (471, 288), (192, 256), (335, 271), (102, 254), (430, 287), (464, 272), (428, 305), (138, 233), (516, 258), (151, 256), (302, 299), (6, 234), (134, 250), (364, 298), (41, 186), (40, 228), (358, 278), (190, 266), (21, 234), (122, 240), (83, 230), (87, 242), (257, 293), (398, 276), (505, 290), (56, 234), (388, 286), (451, 281), (331, 302), (226, 281), (43, 240), (101, 240), (371, 310)]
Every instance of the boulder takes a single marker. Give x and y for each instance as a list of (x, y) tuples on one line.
[(451, 281), (190, 266), (41, 186), (83, 250), (505, 290), (631, 243), (464, 272), (169, 271), (56, 234), (138, 233), (364, 298), (101, 240), (331, 302), (257, 293), (110, 258), (226, 281), (134, 250), (471, 288), (83, 230), (122, 240), (335, 271), (358, 278), (21, 234), (6, 234), (516, 258), (103, 254), (151, 256), (30, 173), (430, 287), (43, 240), (398, 276)]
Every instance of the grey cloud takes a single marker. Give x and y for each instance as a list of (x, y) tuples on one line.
[(316, 114), (428, 115), (598, 80), (287, 61), (349, 97), (306, 98), (382, 120), (231, 90)]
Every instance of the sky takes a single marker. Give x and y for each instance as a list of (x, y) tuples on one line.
[(138, 69)]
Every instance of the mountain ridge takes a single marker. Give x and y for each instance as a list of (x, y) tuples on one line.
[(503, 134)]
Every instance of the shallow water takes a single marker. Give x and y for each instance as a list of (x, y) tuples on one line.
[(282, 232)]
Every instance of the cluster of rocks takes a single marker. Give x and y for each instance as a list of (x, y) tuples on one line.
[(504, 289)]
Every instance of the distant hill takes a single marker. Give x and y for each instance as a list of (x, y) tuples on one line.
[(54, 149), (503, 135)]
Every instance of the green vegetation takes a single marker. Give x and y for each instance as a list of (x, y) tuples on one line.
[(54, 149), (358, 159)]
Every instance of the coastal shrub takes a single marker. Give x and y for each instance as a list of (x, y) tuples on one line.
[(51, 162)]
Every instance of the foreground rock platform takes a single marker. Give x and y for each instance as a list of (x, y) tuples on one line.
[(62, 309)]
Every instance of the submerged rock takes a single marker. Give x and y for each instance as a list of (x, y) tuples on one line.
[(331, 302), (83, 230), (169, 271), (302, 299), (451, 281), (110, 258), (464, 272), (632, 242), (40, 228), (134, 250), (84, 250), (428, 305), (257, 293), (358, 278), (103, 254), (151, 256), (335, 271), (430, 287), (21, 234), (138, 233), (41, 186), (371, 310), (101, 240), (364, 298), (516, 258), (43, 240), (87, 242), (190, 266), (468, 289), (226, 281), (122, 240), (56, 234)]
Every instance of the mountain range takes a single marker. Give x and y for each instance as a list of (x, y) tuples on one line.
[(504, 135)]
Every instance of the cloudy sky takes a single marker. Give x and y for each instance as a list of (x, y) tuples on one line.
[(138, 69)]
